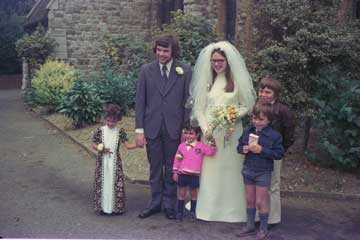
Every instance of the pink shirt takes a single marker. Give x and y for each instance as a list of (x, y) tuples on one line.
[(189, 160)]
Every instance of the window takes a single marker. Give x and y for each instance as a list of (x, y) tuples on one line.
[(166, 7), (230, 22)]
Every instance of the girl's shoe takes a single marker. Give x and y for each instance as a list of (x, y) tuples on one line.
[(261, 235)]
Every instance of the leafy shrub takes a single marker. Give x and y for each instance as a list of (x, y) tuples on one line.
[(295, 40), (124, 56), (126, 53), (117, 88), (52, 81), (340, 123), (116, 82), (82, 104), (29, 97), (193, 32), (35, 47)]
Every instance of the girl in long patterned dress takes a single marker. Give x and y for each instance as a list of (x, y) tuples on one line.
[(109, 189)]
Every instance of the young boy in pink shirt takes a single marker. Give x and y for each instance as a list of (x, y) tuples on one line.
[(187, 167)]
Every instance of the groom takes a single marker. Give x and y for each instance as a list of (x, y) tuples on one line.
[(162, 91)]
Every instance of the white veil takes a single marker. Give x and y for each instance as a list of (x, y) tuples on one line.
[(202, 77)]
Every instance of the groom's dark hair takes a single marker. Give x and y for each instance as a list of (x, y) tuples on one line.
[(168, 40)]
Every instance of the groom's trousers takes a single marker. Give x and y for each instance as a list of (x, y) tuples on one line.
[(161, 151)]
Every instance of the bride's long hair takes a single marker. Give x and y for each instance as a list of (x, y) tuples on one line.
[(202, 78), (228, 75)]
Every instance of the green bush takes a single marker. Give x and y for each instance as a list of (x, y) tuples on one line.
[(29, 97), (296, 39), (114, 87), (126, 53), (193, 32), (124, 56), (340, 123), (82, 104), (52, 81), (116, 82), (35, 47)]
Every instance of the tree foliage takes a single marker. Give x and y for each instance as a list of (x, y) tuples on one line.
[(296, 39), (193, 32), (317, 61), (35, 47), (338, 118), (12, 19), (125, 54)]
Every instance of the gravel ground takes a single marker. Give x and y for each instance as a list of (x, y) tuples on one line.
[(46, 192)]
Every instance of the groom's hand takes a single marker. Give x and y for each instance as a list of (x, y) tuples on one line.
[(140, 139)]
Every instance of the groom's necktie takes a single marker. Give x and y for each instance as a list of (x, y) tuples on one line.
[(164, 71)]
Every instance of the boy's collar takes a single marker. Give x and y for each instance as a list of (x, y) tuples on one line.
[(264, 131)]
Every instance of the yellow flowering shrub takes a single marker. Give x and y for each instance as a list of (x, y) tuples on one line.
[(52, 81)]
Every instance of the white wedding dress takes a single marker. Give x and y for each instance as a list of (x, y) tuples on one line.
[(221, 195)]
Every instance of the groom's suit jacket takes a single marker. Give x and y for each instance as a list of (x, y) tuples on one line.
[(158, 101)]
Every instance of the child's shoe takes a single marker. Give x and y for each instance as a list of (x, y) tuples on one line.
[(246, 231), (179, 218), (192, 216), (102, 213), (261, 235)]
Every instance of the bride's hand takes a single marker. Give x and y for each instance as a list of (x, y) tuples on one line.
[(208, 134), (229, 133)]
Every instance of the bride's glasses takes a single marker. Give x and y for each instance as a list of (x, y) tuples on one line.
[(214, 61)]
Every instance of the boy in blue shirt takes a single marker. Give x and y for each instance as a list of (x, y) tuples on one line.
[(262, 145)]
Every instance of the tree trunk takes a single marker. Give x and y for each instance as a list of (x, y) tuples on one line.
[(345, 11), (25, 74), (307, 127)]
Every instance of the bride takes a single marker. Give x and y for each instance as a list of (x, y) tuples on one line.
[(220, 78)]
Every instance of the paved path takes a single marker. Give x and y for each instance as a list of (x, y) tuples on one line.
[(46, 192)]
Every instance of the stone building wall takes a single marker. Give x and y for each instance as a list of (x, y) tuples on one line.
[(216, 11), (79, 25)]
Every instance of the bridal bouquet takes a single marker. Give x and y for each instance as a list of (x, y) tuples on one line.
[(224, 117)]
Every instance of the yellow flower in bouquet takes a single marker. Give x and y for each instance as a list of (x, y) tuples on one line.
[(224, 117)]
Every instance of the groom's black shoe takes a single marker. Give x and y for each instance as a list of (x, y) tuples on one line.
[(169, 213), (149, 211)]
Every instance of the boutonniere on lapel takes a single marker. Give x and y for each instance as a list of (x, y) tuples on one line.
[(197, 150), (179, 70)]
